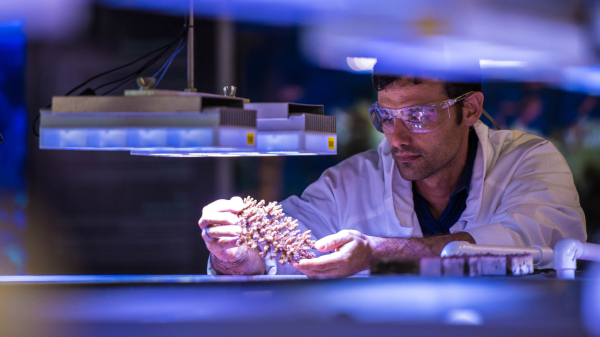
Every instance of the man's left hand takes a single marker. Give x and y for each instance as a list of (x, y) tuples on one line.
[(353, 254)]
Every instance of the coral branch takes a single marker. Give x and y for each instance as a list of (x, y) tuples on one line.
[(267, 227)]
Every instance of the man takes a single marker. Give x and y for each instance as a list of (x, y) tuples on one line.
[(439, 175)]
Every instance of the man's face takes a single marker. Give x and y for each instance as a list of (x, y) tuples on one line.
[(420, 155)]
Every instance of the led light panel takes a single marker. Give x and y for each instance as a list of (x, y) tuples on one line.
[(283, 129), (163, 121), (174, 124)]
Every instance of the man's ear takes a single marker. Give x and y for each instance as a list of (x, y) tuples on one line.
[(472, 108)]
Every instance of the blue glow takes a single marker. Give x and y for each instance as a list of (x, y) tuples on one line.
[(296, 143), (79, 279), (192, 154), (590, 300), (464, 317), (582, 79), (433, 36), (120, 139), (436, 38), (278, 141), (147, 139), (13, 152), (285, 12), (406, 300)]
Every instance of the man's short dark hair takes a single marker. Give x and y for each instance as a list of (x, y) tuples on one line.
[(453, 89)]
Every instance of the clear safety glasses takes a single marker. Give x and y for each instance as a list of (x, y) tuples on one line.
[(418, 118)]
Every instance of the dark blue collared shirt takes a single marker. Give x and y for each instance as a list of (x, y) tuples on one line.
[(458, 200)]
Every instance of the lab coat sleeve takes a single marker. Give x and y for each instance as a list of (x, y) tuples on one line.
[(539, 205)]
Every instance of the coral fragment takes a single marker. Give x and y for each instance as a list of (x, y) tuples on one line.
[(262, 226)]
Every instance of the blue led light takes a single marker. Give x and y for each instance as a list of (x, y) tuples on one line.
[(13, 151)]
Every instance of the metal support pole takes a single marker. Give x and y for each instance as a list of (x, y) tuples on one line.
[(225, 55), (190, 50)]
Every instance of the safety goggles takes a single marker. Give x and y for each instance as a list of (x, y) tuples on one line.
[(418, 118)]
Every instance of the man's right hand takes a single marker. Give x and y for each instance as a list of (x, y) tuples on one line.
[(220, 231)]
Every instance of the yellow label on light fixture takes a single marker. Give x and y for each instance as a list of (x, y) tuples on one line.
[(331, 143), (250, 138)]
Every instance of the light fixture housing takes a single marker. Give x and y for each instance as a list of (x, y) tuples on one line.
[(283, 129), (165, 123), (294, 129), (150, 121)]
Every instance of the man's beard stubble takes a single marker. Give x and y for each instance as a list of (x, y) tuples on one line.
[(419, 169), (428, 163)]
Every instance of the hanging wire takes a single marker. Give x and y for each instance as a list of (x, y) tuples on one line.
[(124, 80), (127, 79), (167, 46), (167, 64)]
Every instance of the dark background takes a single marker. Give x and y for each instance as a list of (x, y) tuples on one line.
[(112, 213)]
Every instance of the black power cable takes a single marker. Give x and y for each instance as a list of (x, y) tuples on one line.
[(167, 64), (33, 128), (165, 47), (130, 76), (163, 50), (127, 79)]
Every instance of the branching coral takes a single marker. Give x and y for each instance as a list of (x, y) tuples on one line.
[(267, 227)]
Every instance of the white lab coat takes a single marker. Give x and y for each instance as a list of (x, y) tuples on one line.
[(522, 193)]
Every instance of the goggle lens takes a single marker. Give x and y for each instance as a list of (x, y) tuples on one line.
[(418, 119)]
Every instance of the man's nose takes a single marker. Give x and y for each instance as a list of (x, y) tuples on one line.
[(402, 135)]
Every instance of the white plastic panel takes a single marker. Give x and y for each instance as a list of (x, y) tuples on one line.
[(269, 141), (296, 143), (323, 143), (240, 138), (192, 154), (124, 139), (196, 142), (229, 142), (235, 143)]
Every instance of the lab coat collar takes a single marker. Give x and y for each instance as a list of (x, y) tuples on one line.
[(477, 178)]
